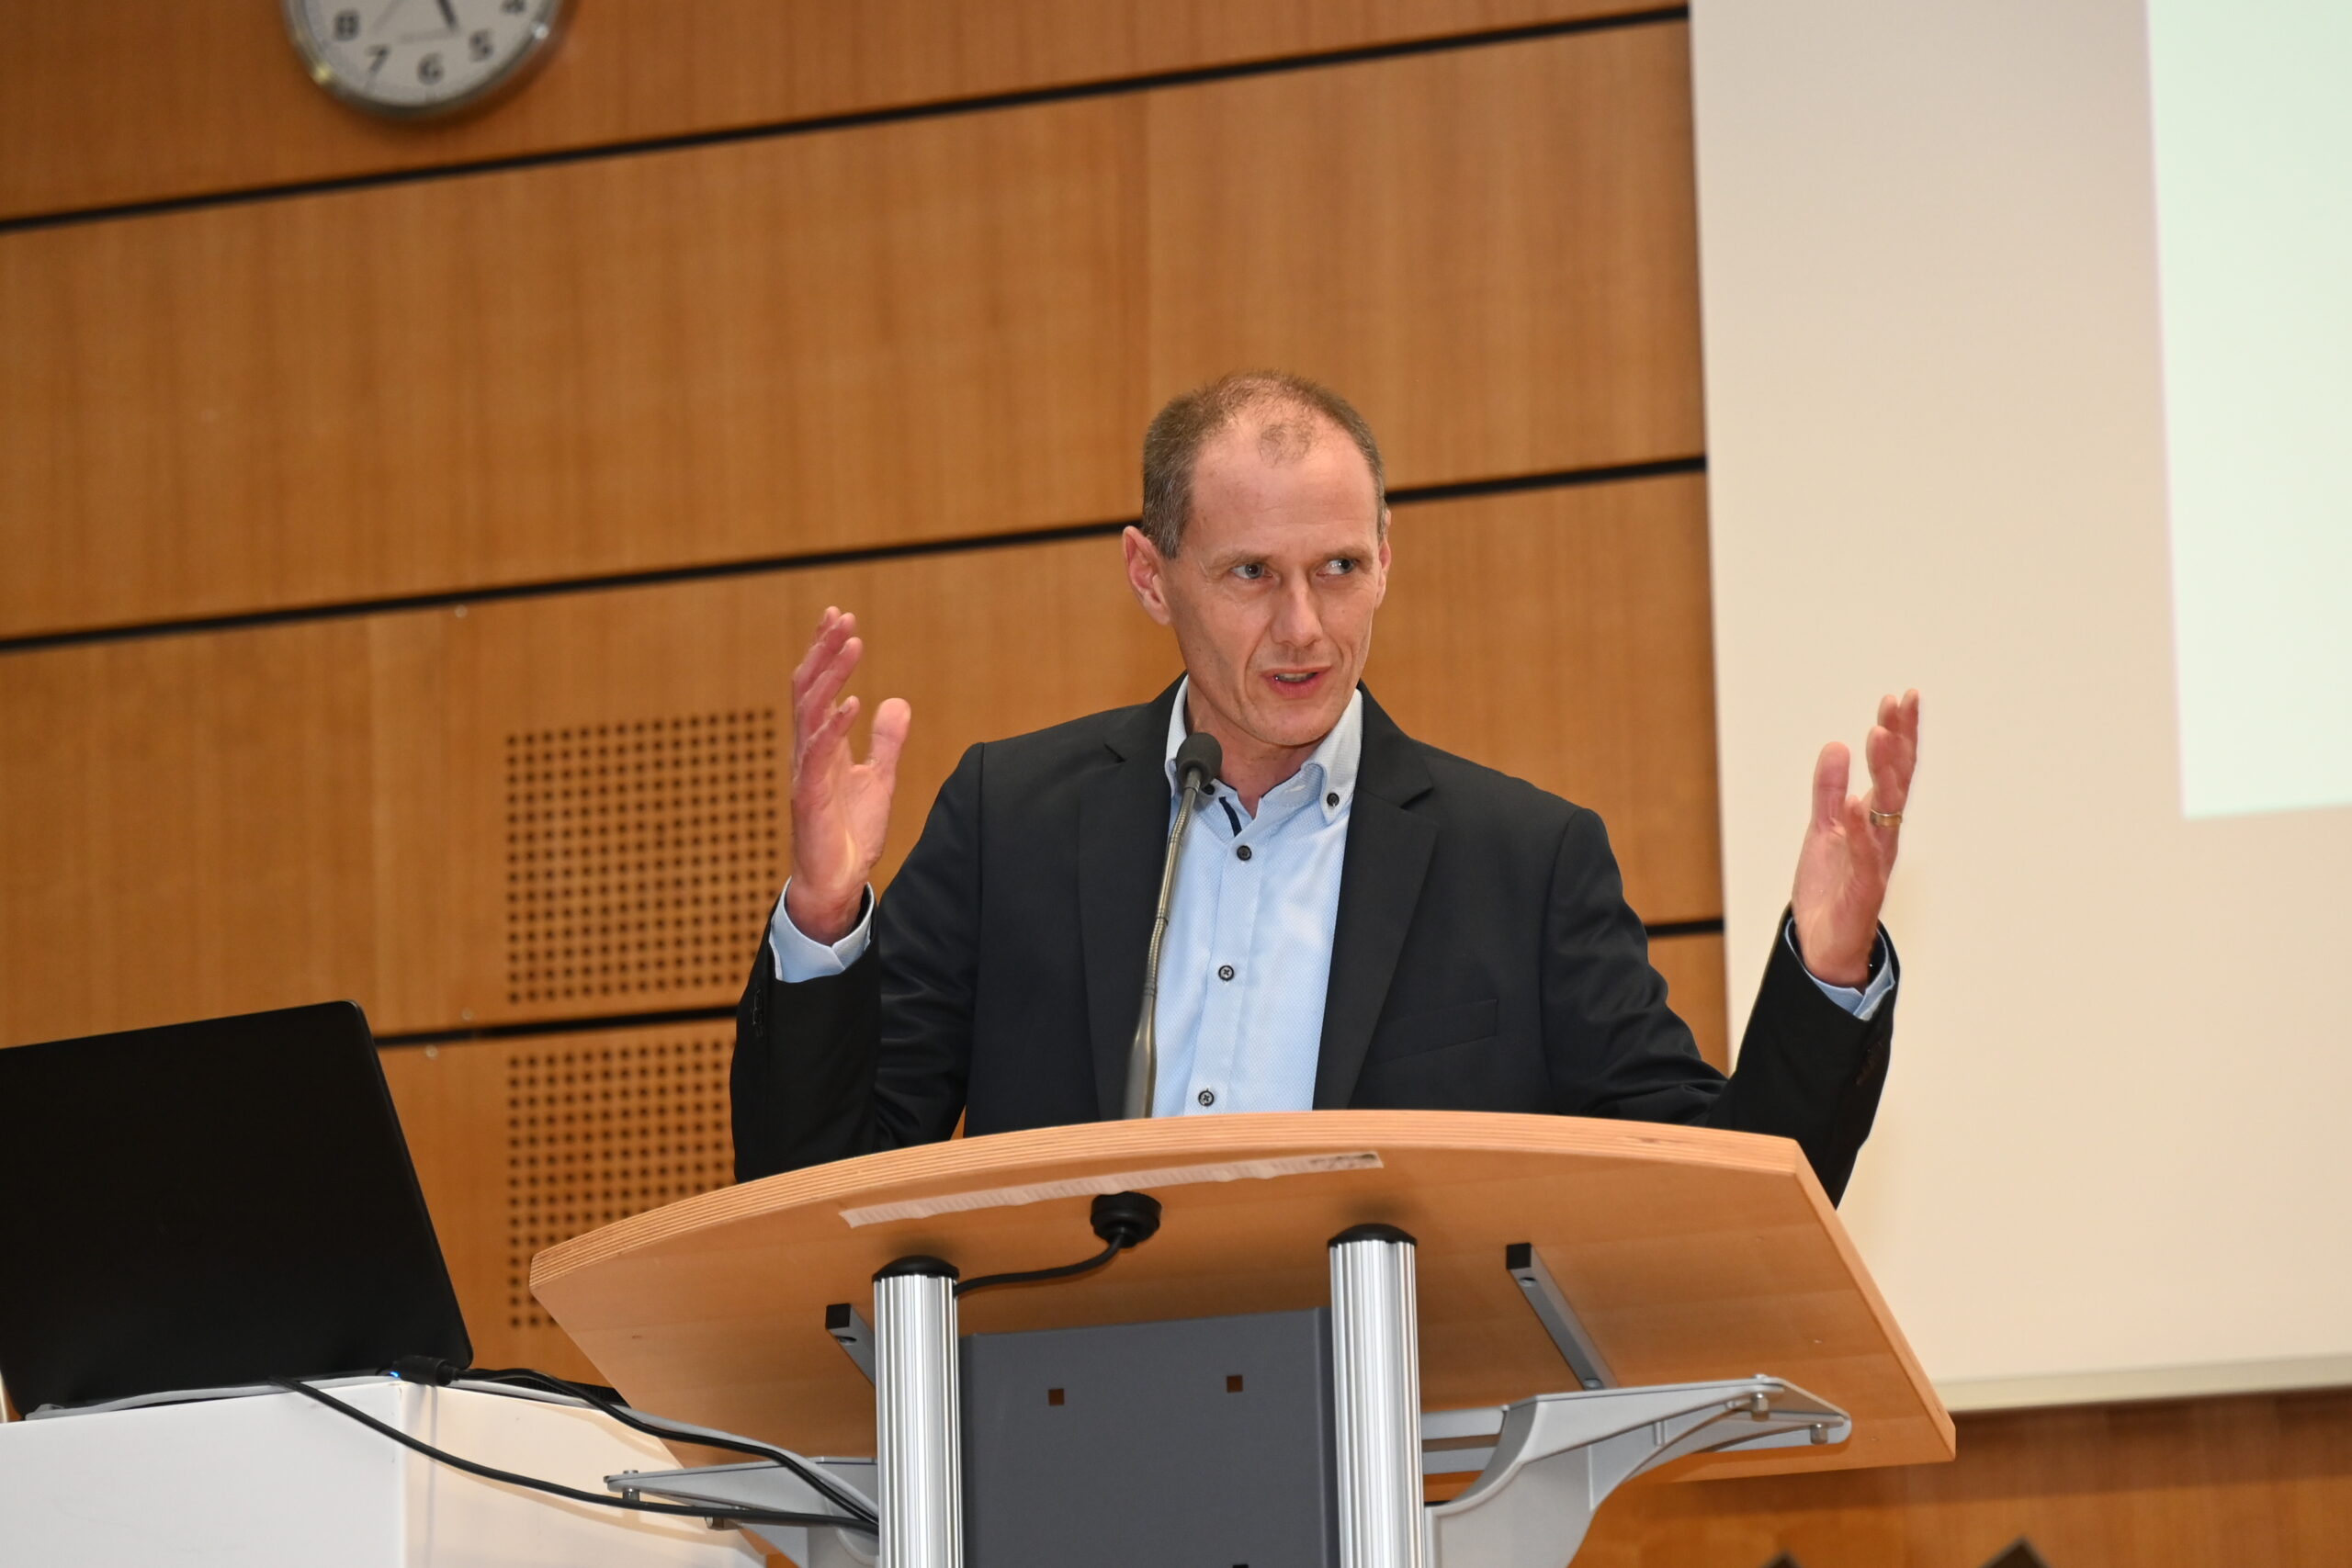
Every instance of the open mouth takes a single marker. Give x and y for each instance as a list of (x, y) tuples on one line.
[(1295, 680)]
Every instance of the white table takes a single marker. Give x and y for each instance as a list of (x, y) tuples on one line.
[(273, 1480)]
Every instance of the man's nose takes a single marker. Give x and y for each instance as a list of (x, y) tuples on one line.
[(1298, 621)]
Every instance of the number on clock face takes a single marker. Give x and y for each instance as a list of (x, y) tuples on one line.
[(416, 56)]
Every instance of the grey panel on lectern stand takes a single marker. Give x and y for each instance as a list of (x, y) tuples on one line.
[(1198, 1443)]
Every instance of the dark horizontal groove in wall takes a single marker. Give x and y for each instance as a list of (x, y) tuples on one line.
[(495, 1032), (1560, 479), (597, 1023), (561, 1026), (938, 110), (760, 565), (1665, 929)]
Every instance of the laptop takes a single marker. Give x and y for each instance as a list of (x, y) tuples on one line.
[(206, 1205)]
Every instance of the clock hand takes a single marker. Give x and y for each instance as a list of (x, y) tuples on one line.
[(384, 17)]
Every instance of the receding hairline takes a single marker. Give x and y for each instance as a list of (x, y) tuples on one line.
[(1288, 415), (1285, 432), (1281, 438)]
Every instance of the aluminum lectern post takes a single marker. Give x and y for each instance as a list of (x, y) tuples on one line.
[(919, 1452), (1376, 1397)]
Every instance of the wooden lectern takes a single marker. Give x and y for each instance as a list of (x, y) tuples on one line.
[(1657, 1258)]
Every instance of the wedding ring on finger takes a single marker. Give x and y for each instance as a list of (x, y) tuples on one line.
[(1886, 820)]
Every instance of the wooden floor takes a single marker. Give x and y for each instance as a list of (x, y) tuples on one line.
[(2253, 1481)]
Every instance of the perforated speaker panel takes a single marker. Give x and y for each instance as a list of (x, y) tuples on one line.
[(641, 857), (597, 1132)]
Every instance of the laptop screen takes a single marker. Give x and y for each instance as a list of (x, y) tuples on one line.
[(208, 1205)]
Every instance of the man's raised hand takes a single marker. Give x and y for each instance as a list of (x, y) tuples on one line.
[(841, 808), (1842, 872)]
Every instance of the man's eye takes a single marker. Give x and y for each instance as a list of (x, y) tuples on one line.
[(1341, 564), (1251, 571)]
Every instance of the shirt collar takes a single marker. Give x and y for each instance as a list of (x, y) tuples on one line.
[(1335, 758)]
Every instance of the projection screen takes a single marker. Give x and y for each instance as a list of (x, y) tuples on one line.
[(2028, 369)]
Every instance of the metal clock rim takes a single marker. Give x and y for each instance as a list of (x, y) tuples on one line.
[(544, 27)]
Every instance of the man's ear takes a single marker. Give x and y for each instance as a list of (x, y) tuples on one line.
[(1384, 557), (1147, 573)]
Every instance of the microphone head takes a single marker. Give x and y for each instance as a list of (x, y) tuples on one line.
[(1198, 760)]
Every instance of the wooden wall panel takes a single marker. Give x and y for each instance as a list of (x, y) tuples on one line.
[(521, 1144), (982, 644), (1575, 651), (1492, 251), (2203, 1484), (1693, 967), (105, 102), (198, 824), (922, 331), (452, 1106)]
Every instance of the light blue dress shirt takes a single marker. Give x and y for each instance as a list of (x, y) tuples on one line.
[(1248, 958)]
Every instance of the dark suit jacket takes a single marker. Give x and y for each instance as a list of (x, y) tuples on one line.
[(1485, 959)]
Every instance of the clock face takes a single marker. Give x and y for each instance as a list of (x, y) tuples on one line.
[(416, 57)]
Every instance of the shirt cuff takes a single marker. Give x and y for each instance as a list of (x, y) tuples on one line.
[(800, 957), (1862, 1003)]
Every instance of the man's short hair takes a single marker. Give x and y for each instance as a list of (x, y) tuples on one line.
[(1171, 445)]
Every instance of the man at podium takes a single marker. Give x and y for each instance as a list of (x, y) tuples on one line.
[(1358, 919)]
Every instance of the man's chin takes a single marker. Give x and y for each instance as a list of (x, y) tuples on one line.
[(1289, 727)]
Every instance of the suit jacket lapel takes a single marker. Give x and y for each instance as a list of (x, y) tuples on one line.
[(1380, 884), (1122, 836)]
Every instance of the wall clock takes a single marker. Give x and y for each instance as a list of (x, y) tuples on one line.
[(411, 58)]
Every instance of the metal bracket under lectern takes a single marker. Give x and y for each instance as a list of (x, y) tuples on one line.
[(767, 1485), (1556, 1457), (849, 1329), (1559, 1319)]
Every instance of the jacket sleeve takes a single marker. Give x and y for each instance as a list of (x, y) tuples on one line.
[(879, 1055), (1807, 1070)]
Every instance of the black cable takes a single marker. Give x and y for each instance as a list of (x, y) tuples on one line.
[(598, 1396), (1121, 1219), (610, 1403), (714, 1511), (1030, 1276)]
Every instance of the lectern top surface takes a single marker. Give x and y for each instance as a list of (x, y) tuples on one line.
[(1689, 1254)]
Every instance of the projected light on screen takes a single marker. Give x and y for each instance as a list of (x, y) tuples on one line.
[(2254, 200), (2110, 1162)]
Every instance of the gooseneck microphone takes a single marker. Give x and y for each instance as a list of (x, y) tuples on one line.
[(1197, 763)]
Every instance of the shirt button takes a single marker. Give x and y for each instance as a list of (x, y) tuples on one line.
[(1332, 799), (1224, 971), (1208, 1097), (1243, 852)]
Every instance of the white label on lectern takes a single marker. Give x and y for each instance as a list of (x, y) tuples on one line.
[(1115, 1181)]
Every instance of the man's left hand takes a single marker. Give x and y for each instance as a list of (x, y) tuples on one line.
[(1850, 848)]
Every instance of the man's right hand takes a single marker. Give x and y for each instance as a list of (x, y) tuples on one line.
[(840, 808)]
